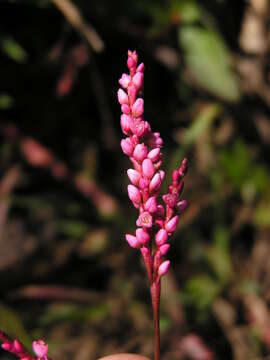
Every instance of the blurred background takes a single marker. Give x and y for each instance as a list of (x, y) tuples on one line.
[(66, 272)]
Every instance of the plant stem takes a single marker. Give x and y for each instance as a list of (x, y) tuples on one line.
[(155, 296)]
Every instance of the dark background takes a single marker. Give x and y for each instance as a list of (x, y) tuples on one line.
[(67, 274)]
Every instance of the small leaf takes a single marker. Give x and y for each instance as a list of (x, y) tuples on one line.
[(13, 49), (208, 59)]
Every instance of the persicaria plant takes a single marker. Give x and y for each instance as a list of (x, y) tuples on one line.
[(158, 219), (158, 216)]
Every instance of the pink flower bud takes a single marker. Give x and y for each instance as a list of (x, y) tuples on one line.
[(138, 80), (131, 62), (162, 174), (40, 348), (134, 176), (154, 155), (138, 127), (122, 97), (170, 199), (140, 68), (127, 146), (124, 81), (175, 175), (143, 183), (183, 167), (125, 109), (164, 268), (155, 183), (182, 205), (142, 236), (158, 140), (171, 225), (164, 249), (138, 108), (140, 152), (145, 220), (132, 92), (132, 241), (160, 211), (125, 123), (17, 346), (145, 252), (161, 237), (6, 346), (134, 194), (151, 205), (148, 168)]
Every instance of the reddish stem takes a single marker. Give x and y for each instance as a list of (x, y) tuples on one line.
[(155, 296)]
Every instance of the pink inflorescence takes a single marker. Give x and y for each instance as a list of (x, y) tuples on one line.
[(156, 220)]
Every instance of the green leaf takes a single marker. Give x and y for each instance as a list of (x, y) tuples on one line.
[(188, 10), (6, 101), (262, 215), (13, 49), (202, 290), (208, 59), (204, 119), (237, 163), (12, 325)]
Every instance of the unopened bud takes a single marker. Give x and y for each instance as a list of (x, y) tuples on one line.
[(164, 268), (161, 237), (132, 241)]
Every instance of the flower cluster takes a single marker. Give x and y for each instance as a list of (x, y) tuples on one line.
[(156, 220), (15, 347)]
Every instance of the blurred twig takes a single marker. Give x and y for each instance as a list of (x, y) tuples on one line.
[(74, 17)]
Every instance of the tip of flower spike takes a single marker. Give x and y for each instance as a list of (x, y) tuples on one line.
[(183, 168), (40, 349)]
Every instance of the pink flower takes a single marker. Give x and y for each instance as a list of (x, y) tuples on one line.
[(138, 79), (142, 236), (151, 205), (124, 81), (182, 205), (125, 109), (125, 123), (161, 237), (155, 183), (154, 155), (127, 146), (132, 241), (171, 225), (164, 268), (140, 152), (164, 249), (148, 169), (134, 176), (138, 108), (134, 194), (40, 348), (122, 97), (145, 220)]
